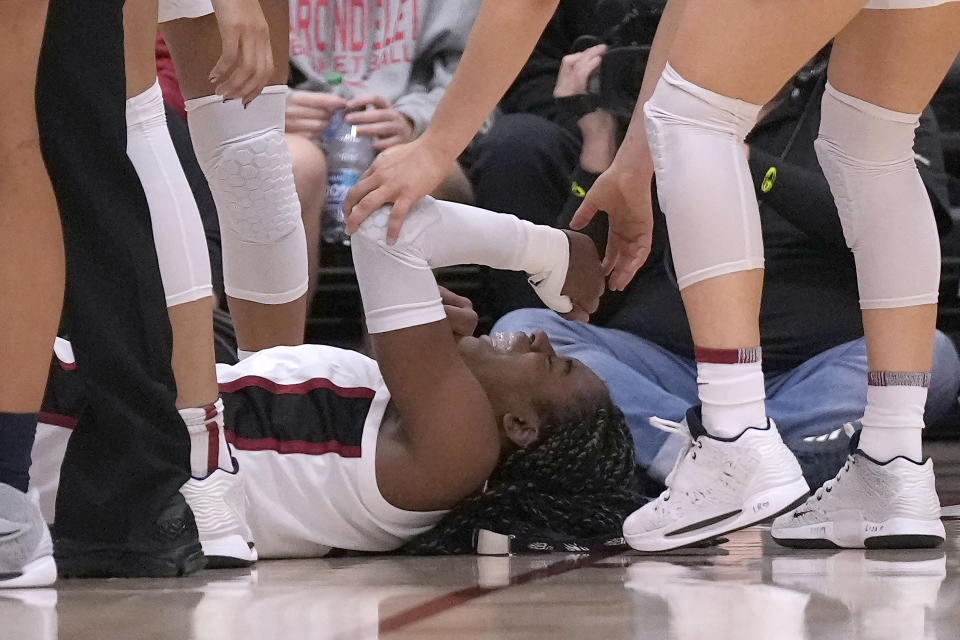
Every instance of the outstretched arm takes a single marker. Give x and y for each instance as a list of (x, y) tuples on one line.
[(449, 442), (503, 37)]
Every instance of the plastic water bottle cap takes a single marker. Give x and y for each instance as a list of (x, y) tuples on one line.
[(334, 78)]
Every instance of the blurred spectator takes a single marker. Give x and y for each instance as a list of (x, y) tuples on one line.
[(396, 56), (524, 161), (814, 352)]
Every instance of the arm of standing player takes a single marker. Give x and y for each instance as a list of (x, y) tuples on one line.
[(502, 39)]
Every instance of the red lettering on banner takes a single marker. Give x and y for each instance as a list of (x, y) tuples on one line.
[(358, 25), (320, 13)]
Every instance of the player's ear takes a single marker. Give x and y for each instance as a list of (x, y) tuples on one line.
[(522, 428)]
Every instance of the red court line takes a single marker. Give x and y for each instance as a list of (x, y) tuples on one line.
[(455, 599)]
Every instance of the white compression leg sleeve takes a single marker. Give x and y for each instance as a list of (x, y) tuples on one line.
[(866, 153), (177, 230), (396, 281), (703, 180), (245, 157)]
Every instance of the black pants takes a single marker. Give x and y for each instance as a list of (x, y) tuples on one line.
[(523, 167), (130, 452)]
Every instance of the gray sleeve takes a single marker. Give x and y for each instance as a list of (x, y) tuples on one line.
[(439, 49)]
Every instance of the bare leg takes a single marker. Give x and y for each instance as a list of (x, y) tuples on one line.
[(195, 47), (31, 240), (760, 45), (194, 366), (896, 60)]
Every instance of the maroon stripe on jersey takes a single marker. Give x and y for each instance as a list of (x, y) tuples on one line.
[(299, 388), (57, 420), (67, 366), (292, 446)]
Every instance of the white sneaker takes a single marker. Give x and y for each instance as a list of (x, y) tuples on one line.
[(873, 505), (717, 486), (219, 505), (26, 550)]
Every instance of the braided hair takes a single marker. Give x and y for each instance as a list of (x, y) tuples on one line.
[(575, 482)]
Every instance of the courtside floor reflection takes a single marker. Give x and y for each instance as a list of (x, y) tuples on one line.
[(748, 588)]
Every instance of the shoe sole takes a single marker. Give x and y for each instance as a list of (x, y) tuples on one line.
[(759, 507), (80, 560), (231, 552), (857, 533), (42, 572)]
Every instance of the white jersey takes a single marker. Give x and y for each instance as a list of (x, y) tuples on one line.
[(175, 9), (303, 422)]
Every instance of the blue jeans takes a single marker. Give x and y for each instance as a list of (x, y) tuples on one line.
[(647, 380)]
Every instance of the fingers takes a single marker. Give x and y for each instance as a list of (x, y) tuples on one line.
[(369, 99), (382, 144), (577, 314), (378, 130), (230, 51), (584, 214), (356, 214), (316, 101), (400, 210), (306, 127), (371, 116), (450, 298), (366, 203)]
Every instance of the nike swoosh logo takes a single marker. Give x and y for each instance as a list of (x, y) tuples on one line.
[(703, 523), (797, 514), (537, 283)]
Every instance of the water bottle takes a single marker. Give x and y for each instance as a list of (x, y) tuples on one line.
[(348, 156)]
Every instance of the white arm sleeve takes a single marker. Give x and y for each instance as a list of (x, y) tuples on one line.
[(396, 281)]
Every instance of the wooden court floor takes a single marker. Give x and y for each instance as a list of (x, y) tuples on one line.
[(746, 589)]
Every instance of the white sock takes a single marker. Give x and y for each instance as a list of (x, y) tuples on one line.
[(208, 443), (893, 418), (732, 391), (243, 355)]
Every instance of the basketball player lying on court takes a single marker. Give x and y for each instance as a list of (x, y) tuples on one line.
[(443, 434)]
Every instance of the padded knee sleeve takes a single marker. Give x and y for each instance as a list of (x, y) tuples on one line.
[(177, 229), (244, 155), (703, 180), (866, 153)]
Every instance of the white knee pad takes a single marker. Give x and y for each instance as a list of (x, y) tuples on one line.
[(177, 230), (703, 180), (866, 153), (245, 157)]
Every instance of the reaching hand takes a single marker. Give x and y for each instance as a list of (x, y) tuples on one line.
[(383, 122), (624, 194), (584, 284), (460, 314), (246, 60), (575, 70), (309, 112), (401, 175)]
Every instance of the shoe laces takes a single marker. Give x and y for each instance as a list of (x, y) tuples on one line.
[(688, 450), (830, 484)]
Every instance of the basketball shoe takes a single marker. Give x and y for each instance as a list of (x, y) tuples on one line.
[(219, 505), (869, 504), (821, 456), (717, 485), (26, 550), (166, 547)]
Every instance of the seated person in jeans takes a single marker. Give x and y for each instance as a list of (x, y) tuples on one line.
[(814, 351)]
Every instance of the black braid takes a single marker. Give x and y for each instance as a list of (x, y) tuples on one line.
[(575, 482)]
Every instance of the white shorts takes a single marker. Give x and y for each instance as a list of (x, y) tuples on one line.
[(174, 9), (905, 4)]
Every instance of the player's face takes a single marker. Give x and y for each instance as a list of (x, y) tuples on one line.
[(528, 368)]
